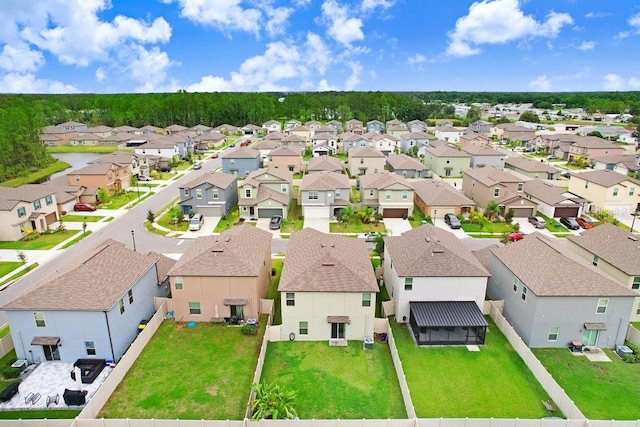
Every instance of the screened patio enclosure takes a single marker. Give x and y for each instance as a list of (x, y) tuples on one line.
[(447, 323)]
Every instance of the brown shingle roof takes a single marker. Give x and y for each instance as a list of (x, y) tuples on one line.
[(265, 193), (491, 176), (402, 161), (605, 178), (541, 266), (286, 151), (481, 150), (324, 181), (429, 251), (238, 252), (446, 150), (217, 179), (277, 175), (242, 153), (321, 163), (435, 193), (318, 262), (550, 194), (364, 152), (383, 180), (613, 245), (529, 165)]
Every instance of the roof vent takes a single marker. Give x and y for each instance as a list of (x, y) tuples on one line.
[(333, 245), (227, 239), (634, 238), (327, 264), (322, 245), (428, 239), (438, 251), (217, 249)]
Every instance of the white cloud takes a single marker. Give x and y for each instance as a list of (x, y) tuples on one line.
[(586, 45), (225, 15), (147, 67), (634, 21), (416, 59), (592, 15), (341, 27), (500, 21), (540, 83), (277, 19), (324, 86), (354, 78), (634, 83), (302, 3), (20, 58), (368, 5), (101, 74), (28, 83), (616, 82)]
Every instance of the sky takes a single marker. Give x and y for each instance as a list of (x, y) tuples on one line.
[(128, 46)]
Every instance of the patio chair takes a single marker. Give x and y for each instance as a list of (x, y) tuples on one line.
[(53, 400), (32, 398)]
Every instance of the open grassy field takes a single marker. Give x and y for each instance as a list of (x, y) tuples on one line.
[(38, 175)]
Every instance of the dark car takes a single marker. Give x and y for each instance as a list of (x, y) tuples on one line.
[(83, 207), (214, 156), (537, 222), (585, 222), (570, 223), (275, 223), (452, 221), (197, 166), (516, 235), (233, 144)]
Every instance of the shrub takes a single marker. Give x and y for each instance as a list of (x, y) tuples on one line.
[(249, 329), (630, 358), (223, 217)]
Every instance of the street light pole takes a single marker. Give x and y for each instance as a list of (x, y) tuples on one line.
[(133, 237)]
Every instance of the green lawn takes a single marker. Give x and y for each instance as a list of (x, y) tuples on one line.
[(39, 414), (4, 331), (37, 176), (636, 325), (20, 273), (76, 240), (154, 230), (602, 391), (167, 221), (119, 201), (272, 291), (293, 221), (355, 384), (230, 220), (487, 227), (81, 218), (42, 242), (453, 382), (103, 149), (355, 226), (552, 224), (7, 267), (200, 373), (355, 195), (417, 217)]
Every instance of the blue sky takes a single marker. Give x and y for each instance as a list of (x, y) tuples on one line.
[(65, 46)]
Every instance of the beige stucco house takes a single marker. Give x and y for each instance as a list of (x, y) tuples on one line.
[(265, 193), (288, 158), (608, 191), (483, 185), (327, 289), (28, 207), (388, 194), (365, 160), (446, 160)]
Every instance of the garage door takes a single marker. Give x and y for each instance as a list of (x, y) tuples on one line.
[(209, 210), (50, 218), (522, 212), (395, 212), (269, 212), (316, 212), (566, 212)]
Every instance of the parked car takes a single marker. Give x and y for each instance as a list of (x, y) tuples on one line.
[(371, 236), (144, 178), (195, 223), (275, 223), (570, 223), (214, 156), (552, 157), (165, 169), (233, 144), (197, 166), (565, 174), (585, 222), (537, 222), (452, 221), (516, 235), (84, 207)]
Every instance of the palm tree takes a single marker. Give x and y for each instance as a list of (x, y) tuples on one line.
[(492, 210)]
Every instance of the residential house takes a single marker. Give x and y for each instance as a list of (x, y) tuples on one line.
[(327, 289), (385, 143), (406, 166), (90, 308), (324, 130), (481, 127), (167, 147), (469, 139), (291, 124), (323, 144), (121, 138), (241, 161), (538, 282), (211, 194), (272, 126), (365, 160), (446, 160), (483, 185), (200, 129), (286, 158), (324, 193), (414, 141), (86, 138), (173, 129), (127, 129), (264, 147), (351, 140), (531, 168), (436, 199), (220, 277), (484, 155), (511, 132), (397, 131), (250, 129), (593, 146), (388, 194), (375, 126), (336, 125), (208, 140), (110, 176), (313, 125), (554, 201), (355, 126), (150, 129), (301, 133), (226, 129), (293, 141), (30, 207), (444, 124), (417, 126), (66, 195), (624, 164), (448, 134), (101, 131), (614, 251), (325, 163), (51, 140), (136, 164), (437, 286), (73, 126), (608, 191), (54, 136), (265, 193)]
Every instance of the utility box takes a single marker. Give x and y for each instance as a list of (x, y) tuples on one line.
[(368, 343), (623, 350), (20, 364)]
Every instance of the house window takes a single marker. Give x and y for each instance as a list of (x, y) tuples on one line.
[(232, 161), (595, 261), (199, 194), (405, 195), (524, 293), (284, 188), (48, 200), (39, 317), (520, 185), (313, 195), (496, 192), (361, 161), (586, 184), (194, 308), (366, 299), (638, 310), (36, 205), (408, 283), (214, 194), (636, 283), (186, 192), (615, 191), (130, 294), (553, 333), (387, 195), (602, 305), (632, 191), (21, 212), (291, 299), (90, 348), (178, 282), (338, 194), (77, 178), (516, 282), (370, 193), (121, 306), (304, 328), (247, 192)]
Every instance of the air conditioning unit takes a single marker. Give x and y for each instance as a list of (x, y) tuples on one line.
[(623, 350), (368, 343)]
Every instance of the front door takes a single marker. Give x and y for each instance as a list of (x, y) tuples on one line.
[(51, 352), (337, 330), (590, 338)]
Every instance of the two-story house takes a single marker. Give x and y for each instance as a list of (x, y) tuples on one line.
[(448, 134), (593, 146), (324, 193), (355, 126), (241, 161), (350, 140), (446, 160), (406, 166), (325, 163), (624, 164), (468, 139), (484, 155), (375, 126), (210, 194), (110, 176), (28, 207), (531, 168), (414, 141), (387, 193), (265, 193), (385, 143), (289, 158), (272, 126), (336, 125), (481, 127), (608, 191), (417, 126), (365, 160)]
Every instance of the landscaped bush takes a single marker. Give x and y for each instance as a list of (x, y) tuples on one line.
[(7, 372), (249, 329)]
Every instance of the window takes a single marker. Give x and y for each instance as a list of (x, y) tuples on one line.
[(516, 282), (313, 195), (636, 283), (370, 193), (291, 299), (602, 305), (632, 191), (21, 212), (178, 282), (496, 192), (199, 194), (121, 306), (39, 317), (186, 192), (247, 192), (615, 191), (77, 178), (586, 184), (638, 310), (90, 347), (405, 195), (194, 308), (361, 161), (338, 194), (366, 299), (214, 194), (232, 161), (130, 294), (595, 261), (520, 185), (36, 205), (48, 200), (524, 293), (284, 188), (408, 283), (553, 333), (387, 195), (304, 328)]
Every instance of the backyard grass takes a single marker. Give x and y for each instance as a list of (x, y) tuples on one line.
[(487, 227), (42, 242), (355, 195), (635, 325), (37, 176), (272, 291), (602, 391), (294, 221), (356, 226), (7, 267), (553, 225), (76, 240), (4, 331), (356, 384), (417, 217), (19, 273), (453, 382), (189, 373), (39, 414), (81, 218)]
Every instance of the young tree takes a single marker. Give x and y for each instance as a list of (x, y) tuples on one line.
[(273, 402), (492, 210), (151, 216), (103, 196), (508, 217), (22, 257)]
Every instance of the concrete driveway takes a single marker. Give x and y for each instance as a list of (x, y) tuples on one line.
[(320, 224), (263, 224), (207, 228), (396, 226), (459, 233)]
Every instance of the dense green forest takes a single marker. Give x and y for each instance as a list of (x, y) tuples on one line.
[(23, 116)]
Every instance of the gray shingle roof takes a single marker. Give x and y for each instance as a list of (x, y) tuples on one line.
[(550, 194), (481, 150), (491, 176), (318, 262), (402, 161), (436, 193), (217, 179), (286, 151), (364, 152), (242, 153), (446, 150), (327, 163)]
